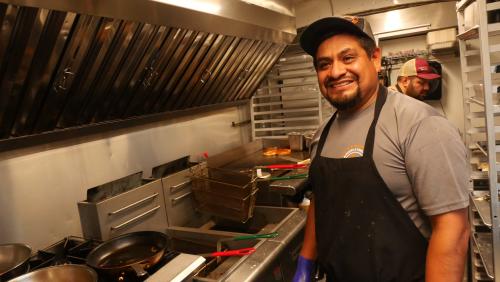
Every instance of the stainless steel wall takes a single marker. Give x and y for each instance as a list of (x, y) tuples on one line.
[(40, 186)]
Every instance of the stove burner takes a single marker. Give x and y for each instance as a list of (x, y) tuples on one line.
[(74, 250), (70, 250)]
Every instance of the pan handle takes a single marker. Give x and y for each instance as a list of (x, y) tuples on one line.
[(134, 219), (139, 270), (133, 204)]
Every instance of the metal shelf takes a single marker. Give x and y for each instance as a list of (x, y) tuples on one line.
[(485, 255), (471, 33), (493, 6), (288, 100), (481, 200), (483, 242), (463, 4), (289, 94)]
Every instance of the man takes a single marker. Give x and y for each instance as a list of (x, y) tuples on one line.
[(414, 78), (386, 168)]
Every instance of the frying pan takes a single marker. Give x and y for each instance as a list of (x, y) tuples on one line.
[(135, 251), (13, 260), (60, 273)]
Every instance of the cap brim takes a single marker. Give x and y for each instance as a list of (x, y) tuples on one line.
[(322, 29), (428, 76)]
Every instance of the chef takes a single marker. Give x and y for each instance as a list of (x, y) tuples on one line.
[(389, 173), (414, 78)]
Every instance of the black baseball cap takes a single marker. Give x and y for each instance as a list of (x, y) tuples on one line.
[(325, 28)]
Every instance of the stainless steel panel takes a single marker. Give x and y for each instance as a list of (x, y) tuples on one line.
[(16, 63), (97, 55), (50, 47), (181, 71), (9, 15), (69, 71), (95, 108), (223, 54), (171, 72), (201, 75), (409, 21), (135, 68), (179, 204), (126, 71), (164, 69), (247, 71), (152, 76), (145, 74), (142, 208), (260, 72), (222, 73), (270, 20), (240, 72), (232, 73), (193, 72)]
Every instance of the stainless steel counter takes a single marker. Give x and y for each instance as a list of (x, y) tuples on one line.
[(279, 253)]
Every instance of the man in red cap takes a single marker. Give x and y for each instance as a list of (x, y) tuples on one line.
[(414, 78), (389, 174)]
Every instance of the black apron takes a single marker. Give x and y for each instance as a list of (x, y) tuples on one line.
[(362, 231)]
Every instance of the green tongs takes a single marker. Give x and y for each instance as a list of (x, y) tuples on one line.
[(246, 237), (286, 177)]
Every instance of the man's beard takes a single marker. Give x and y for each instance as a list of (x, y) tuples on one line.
[(410, 91), (344, 104)]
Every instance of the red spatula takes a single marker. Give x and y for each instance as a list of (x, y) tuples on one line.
[(230, 253)]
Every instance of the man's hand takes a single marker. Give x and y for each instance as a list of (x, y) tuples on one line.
[(305, 267), (448, 247), (305, 264)]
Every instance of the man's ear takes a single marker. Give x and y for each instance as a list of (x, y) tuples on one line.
[(377, 59)]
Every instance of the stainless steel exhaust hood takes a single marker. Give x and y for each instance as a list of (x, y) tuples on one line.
[(68, 64)]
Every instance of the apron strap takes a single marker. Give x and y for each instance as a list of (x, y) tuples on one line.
[(370, 138)]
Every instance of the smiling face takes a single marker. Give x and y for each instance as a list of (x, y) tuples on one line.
[(347, 75)]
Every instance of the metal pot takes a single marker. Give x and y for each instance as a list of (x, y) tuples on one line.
[(60, 273), (13, 260), (129, 252)]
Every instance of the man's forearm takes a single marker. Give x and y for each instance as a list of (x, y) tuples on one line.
[(447, 251), (309, 248)]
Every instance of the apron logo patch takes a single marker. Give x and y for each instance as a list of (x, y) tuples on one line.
[(355, 151)]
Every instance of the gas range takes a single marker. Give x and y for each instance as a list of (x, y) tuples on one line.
[(174, 266)]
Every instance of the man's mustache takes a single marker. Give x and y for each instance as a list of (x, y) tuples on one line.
[(330, 81)]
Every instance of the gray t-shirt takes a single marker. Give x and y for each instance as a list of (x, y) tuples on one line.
[(418, 153)]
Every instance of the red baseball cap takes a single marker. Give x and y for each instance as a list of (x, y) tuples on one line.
[(418, 67)]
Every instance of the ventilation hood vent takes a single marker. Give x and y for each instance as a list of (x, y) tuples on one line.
[(67, 64)]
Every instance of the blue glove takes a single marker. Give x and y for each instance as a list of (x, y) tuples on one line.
[(305, 267)]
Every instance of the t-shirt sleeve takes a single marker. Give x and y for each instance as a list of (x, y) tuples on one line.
[(436, 163)]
